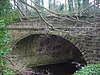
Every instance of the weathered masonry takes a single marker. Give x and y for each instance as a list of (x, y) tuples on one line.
[(34, 45)]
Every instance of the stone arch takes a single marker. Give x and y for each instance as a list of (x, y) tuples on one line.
[(63, 35)]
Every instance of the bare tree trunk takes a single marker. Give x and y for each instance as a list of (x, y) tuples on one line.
[(14, 4), (85, 5), (76, 7), (26, 11), (70, 3), (65, 6), (54, 5), (42, 1), (42, 4), (94, 1), (79, 5), (97, 3), (49, 2)]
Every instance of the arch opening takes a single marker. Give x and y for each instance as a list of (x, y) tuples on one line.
[(47, 50)]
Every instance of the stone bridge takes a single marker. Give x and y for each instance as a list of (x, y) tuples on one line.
[(33, 42)]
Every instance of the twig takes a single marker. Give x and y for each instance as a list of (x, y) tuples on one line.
[(5, 57), (19, 71)]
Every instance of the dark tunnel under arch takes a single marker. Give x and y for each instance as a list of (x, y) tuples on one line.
[(52, 47), (47, 51)]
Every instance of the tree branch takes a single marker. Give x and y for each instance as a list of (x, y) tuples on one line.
[(60, 15), (39, 14)]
